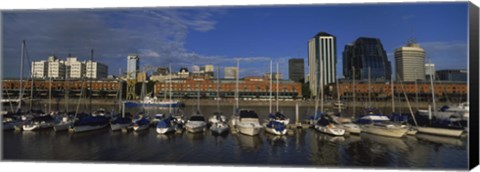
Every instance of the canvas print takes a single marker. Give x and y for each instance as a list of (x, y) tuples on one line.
[(325, 86)]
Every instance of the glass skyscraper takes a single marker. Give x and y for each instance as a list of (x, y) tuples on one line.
[(363, 54), (296, 69)]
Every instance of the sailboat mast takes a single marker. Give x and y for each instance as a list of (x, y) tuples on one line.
[(170, 88), (408, 103), (393, 95), (21, 76), (276, 77), (338, 95), (321, 85), (433, 92), (270, 88), (50, 93), (236, 84), (353, 91), (66, 90), (218, 88), (120, 90), (369, 89), (416, 91), (91, 77)]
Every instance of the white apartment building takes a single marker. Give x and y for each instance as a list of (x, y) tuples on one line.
[(77, 69), (56, 68), (71, 68), (39, 69), (96, 70)]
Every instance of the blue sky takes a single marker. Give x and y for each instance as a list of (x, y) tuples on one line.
[(217, 35)]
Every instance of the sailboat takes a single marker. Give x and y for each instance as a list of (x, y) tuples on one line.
[(197, 122), (12, 120), (443, 127), (243, 120), (325, 124), (378, 123), (218, 122), (63, 122), (89, 122), (276, 124), (342, 122)]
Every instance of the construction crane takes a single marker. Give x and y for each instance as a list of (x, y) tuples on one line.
[(131, 83)]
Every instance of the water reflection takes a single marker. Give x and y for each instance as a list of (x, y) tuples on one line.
[(166, 137), (248, 142), (441, 140), (385, 143), (276, 141), (195, 137)]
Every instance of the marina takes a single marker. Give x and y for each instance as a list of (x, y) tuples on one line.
[(299, 147)]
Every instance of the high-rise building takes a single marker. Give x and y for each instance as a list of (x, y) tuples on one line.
[(322, 59), (410, 62), (75, 68), (56, 68), (96, 70), (296, 69), (364, 55), (133, 65), (429, 70), (230, 72), (452, 75), (39, 69)]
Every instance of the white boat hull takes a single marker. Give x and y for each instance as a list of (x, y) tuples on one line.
[(330, 130), (196, 129), (85, 128), (165, 130), (219, 130), (440, 131), (352, 128), (116, 127), (195, 126), (382, 131), (33, 127), (62, 126), (249, 129), (275, 132), (140, 127)]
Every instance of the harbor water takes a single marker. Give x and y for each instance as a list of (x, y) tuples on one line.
[(301, 147)]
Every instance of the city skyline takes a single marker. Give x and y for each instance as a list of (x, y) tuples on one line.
[(197, 36)]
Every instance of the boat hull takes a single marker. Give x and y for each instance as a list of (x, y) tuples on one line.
[(165, 130), (116, 127), (86, 128), (195, 129), (249, 129), (275, 132), (140, 127), (62, 126), (330, 130), (11, 125), (382, 131), (440, 131), (34, 127), (352, 128)]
